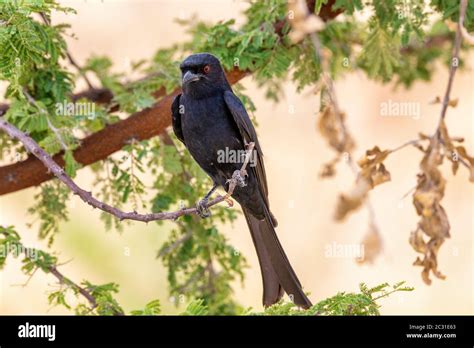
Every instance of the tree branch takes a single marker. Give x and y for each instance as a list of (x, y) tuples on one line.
[(176, 244), (53, 269), (63, 280), (87, 197), (454, 63)]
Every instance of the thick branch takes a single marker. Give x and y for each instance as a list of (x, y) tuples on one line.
[(141, 125)]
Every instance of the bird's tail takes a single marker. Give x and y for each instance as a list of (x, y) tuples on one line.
[(277, 273)]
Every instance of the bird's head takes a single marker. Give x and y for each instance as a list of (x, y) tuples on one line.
[(202, 75)]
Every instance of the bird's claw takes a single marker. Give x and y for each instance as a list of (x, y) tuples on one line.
[(202, 209), (229, 201), (239, 178)]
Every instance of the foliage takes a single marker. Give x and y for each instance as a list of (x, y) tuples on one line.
[(450, 9), (50, 208), (199, 259), (392, 46), (102, 302), (362, 303)]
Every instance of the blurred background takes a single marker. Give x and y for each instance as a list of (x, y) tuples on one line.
[(303, 203)]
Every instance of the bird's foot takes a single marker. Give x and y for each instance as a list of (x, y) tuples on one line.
[(238, 178), (202, 209)]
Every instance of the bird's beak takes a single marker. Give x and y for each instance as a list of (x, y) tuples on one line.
[(190, 77)]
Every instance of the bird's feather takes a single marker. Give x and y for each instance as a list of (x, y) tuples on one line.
[(248, 133), (176, 118)]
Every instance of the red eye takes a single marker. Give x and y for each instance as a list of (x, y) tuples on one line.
[(206, 69)]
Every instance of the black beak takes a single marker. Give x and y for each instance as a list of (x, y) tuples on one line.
[(190, 77)]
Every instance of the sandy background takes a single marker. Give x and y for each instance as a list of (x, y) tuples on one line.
[(304, 204)]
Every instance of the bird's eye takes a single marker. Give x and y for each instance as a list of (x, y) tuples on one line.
[(206, 69)]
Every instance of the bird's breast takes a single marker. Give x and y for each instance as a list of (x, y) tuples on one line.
[(210, 133), (208, 121)]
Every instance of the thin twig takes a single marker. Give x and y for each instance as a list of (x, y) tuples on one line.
[(56, 131), (182, 289), (64, 280), (176, 244), (454, 65), (25, 284), (452, 71), (87, 197), (417, 141), (408, 143), (408, 192), (326, 78), (212, 276)]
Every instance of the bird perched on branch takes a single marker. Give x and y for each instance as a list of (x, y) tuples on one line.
[(210, 120)]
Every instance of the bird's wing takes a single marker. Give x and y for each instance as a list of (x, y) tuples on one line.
[(176, 118), (247, 131)]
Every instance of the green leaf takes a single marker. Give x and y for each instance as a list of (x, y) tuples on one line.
[(348, 6), (71, 165), (196, 307), (380, 55)]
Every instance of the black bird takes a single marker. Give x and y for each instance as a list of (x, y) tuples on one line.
[(208, 118)]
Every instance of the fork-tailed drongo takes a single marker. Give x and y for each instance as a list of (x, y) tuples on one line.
[(210, 120)]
